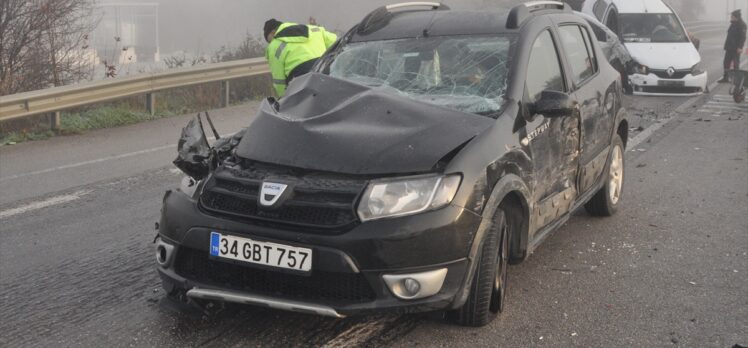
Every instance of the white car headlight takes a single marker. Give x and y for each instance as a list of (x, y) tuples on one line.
[(697, 69), (641, 69), (407, 196)]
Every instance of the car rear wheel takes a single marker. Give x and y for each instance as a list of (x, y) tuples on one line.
[(605, 202), (488, 288)]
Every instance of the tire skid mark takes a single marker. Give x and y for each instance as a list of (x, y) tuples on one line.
[(357, 334), (394, 331)]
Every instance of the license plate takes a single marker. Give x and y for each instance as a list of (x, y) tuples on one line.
[(260, 253), (671, 83)]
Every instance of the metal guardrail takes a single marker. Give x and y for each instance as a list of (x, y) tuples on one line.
[(53, 100)]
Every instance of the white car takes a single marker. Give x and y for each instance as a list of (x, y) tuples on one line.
[(668, 62)]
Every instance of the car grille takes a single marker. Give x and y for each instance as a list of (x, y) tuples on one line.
[(320, 286), (679, 74), (318, 201), (670, 90)]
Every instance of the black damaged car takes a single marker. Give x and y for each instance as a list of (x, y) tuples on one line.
[(428, 151)]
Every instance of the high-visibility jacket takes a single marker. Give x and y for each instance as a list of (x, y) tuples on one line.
[(295, 46)]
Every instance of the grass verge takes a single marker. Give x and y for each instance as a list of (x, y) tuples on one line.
[(79, 122)]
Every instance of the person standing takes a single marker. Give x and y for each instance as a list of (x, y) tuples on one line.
[(734, 43), (293, 49)]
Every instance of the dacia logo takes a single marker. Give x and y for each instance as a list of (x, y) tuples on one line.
[(271, 192)]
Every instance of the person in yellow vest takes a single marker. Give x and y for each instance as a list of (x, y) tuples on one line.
[(293, 49)]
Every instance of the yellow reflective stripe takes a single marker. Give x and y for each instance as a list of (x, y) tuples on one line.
[(315, 30), (280, 50)]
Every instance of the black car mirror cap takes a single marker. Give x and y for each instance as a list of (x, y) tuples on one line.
[(554, 104)]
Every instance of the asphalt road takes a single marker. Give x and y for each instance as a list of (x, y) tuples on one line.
[(671, 269)]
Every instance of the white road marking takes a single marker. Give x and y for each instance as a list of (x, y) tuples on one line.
[(727, 103), (43, 204), (98, 160), (639, 138), (84, 163), (723, 97), (720, 104), (708, 108)]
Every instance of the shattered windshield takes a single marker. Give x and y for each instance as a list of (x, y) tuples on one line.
[(652, 27), (464, 73)]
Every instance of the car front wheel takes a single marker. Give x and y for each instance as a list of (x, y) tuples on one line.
[(488, 288)]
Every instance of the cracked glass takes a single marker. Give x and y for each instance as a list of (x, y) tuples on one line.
[(464, 73)]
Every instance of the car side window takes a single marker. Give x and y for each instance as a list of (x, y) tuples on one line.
[(590, 48), (544, 68), (579, 52), (600, 33)]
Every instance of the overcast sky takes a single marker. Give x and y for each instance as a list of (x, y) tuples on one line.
[(205, 25)]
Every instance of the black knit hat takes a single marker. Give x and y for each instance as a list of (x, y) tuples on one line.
[(270, 25), (736, 13)]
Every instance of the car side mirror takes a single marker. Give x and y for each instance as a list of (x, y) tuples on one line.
[(554, 104)]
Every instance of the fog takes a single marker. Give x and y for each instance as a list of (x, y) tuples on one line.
[(203, 26)]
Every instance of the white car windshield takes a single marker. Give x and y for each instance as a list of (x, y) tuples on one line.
[(464, 73), (651, 27)]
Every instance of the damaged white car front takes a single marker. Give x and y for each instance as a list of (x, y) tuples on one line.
[(668, 62)]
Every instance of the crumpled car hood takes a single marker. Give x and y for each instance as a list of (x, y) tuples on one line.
[(334, 125)]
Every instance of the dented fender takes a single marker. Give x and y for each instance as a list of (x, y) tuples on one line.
[(507, 184)]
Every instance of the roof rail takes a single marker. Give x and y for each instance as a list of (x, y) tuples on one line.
[(520, 13), (433, 5), (379, 17)]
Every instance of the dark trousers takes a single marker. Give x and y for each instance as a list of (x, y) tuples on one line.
[(732, 57)]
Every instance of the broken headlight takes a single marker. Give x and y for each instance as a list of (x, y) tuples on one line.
[(697, 69), (188, 186), (407, 196)]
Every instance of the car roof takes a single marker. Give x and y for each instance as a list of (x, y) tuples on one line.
[(641, 6), (410, 24)]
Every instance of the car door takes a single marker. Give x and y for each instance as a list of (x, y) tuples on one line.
[(553, 142), (583, 68)]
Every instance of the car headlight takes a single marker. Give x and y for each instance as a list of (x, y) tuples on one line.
[(407, 196), (188, 186), (697, 69), (641, 69)]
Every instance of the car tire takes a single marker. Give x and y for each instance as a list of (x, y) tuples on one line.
[(488, 288), (605, 201)]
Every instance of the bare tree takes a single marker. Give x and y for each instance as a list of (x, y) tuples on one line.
[(43, 43), (250, 47)]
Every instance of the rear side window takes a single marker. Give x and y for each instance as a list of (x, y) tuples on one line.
[(600, 33), (544, 69), (579, 52)]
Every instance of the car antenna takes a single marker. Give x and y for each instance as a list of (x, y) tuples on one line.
[(213, 128)]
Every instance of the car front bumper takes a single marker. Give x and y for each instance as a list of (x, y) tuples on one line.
[(654, 85), (348, 269)]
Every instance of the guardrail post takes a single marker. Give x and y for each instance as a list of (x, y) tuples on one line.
[(225, 93), (54, 121), (150, 103)]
